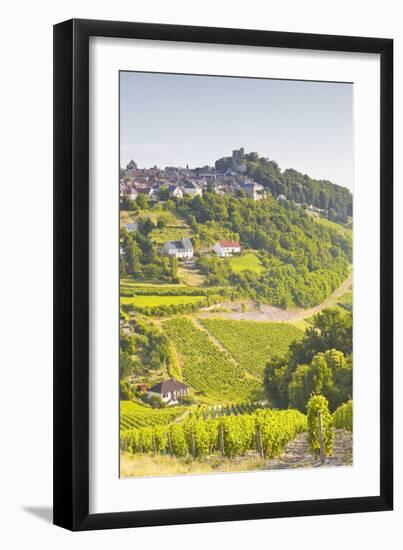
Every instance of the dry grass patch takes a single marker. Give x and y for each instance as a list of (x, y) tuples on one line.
[(149, 465)]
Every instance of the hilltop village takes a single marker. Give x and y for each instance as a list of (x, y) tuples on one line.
[(175, 182), (230, 176), (241, 175), (159, 185)]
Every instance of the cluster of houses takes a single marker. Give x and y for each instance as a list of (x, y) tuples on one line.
[(179, 182), (183, 249)]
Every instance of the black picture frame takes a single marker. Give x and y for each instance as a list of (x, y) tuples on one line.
[(71, 274)]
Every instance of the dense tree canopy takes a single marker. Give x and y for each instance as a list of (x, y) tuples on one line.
[(140, 258), (303, 261), (335, 199), (320, 363), (145, 348)]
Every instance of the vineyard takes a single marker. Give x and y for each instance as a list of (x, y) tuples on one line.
[(209, 370), (133, 415), (343, 417), (265, 432), (214, 411), (253, 343)]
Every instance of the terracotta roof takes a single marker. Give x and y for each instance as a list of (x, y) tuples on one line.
[(229, 244), (168, 386)]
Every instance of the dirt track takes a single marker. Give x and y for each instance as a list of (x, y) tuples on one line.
[(297, 455), (272, 313)]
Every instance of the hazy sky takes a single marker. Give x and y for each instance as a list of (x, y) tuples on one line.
[(174, 120)]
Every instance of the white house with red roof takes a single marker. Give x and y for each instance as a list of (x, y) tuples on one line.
[(227, 248)]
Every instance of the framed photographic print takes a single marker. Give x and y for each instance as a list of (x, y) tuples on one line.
[(223, 204)]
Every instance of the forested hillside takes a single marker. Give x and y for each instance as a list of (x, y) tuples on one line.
[(335, 199), (301, 261), (319, 363), (296, 260)]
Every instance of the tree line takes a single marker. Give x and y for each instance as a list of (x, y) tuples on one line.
[(320, 363), (336, 200), (303, 261)]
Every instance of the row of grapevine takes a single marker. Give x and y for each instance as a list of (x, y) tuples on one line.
[(343, 417), (264, 431), (215, 411), (320, 425), (253, 343), (149, 417), (205, 367)]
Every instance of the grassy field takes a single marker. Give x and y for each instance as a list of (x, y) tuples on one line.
[(156, 465), (209, 370), (253, 343), (190, 276), (169, 233), (153, 301), (246, 261), (147, 285)]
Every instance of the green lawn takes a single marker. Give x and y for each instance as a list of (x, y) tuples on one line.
[(152, 301), (134, 285), (246, 261)]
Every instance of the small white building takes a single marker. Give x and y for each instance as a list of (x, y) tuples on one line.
[(193, 189), (130, 193), (175, 192), (227, 248), (131, 227), (170, 391), (253, 190), (182, 249)]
